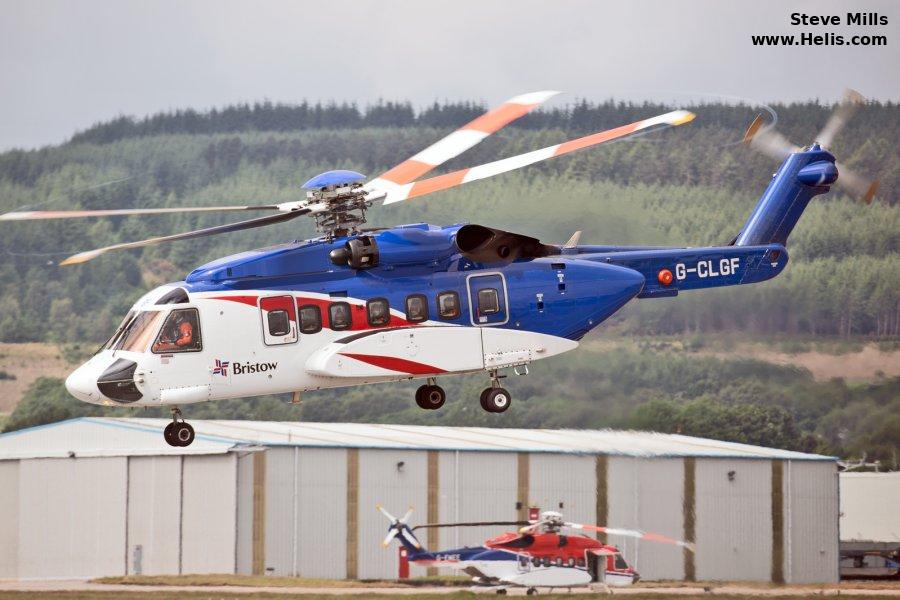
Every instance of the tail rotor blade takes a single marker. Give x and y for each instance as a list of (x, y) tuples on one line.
[(859, 187), (390, 536), (410, 538), (771, 143), (239, 226), (406, 517), (451, 180), (844, 111), (389, 516)]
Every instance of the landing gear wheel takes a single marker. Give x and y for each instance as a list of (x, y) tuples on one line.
[(430, 397), (184, 434), (169, 433), (495, 399), (531, 591), (502, 591)]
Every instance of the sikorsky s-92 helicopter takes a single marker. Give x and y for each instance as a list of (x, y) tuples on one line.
[(546, 552), (356, 306)]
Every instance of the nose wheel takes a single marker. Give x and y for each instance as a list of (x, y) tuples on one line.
[(178, 433), (430, 396)]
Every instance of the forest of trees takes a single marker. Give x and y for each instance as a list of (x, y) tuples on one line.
[(692, 185)]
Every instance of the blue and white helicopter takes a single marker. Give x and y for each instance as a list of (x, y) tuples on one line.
[(357, 306)]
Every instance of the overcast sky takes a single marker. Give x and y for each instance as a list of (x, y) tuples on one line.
[(65, 64)]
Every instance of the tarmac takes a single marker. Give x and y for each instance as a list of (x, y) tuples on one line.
[(80, 585)]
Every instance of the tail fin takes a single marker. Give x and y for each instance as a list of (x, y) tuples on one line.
[(801, 176)]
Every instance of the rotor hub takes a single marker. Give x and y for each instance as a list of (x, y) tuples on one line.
[(342, 194)]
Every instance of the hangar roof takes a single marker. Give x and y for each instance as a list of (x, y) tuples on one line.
[(90, 436)]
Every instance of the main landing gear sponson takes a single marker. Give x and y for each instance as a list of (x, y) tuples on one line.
[(495, 399), (430, 396), (178, 433)]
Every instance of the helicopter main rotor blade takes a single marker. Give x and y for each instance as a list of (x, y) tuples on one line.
[(473, 524), (239, 226), (634, 533), (844, 111), (120, 212), (460, 140), (450, 180)]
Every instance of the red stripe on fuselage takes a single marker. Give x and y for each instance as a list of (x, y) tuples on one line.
[(395, 364), (359, 318), (248, 300)]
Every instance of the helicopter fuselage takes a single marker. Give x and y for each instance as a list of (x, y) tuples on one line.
[(295, 317)]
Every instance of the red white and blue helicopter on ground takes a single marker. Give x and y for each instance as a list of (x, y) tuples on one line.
[(357, 306), (545, 552)]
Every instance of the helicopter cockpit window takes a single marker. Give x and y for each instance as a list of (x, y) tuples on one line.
[(416, 308), (448, 305), (378, 311), (488, 301), (620, 562), (139, 331), (339, 316), (118, 332), (180, 332), (310, 319), (176, 296)]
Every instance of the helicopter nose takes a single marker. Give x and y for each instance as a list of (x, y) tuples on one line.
[(82, 383)]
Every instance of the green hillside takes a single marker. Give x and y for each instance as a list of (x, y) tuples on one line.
[(689, 186)]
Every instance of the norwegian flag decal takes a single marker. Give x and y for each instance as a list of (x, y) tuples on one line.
[(221, 368)]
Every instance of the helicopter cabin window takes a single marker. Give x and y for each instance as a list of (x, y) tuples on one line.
[(378, 311), (448, 305), (488, 301), (416, 308), (310, 319), (279, 320), (180, 332), (137, 333), (339, 316)]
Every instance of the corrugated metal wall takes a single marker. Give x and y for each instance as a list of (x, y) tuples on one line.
[(474, 486), (322, 512), (647, 494), (9, 519), (811, 522), (154, 513), (245, 512), (564, 483), (734, 519), (209, 512), (383, 480), (72, 517)]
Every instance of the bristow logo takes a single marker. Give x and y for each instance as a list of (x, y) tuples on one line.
[(221, 368), (240, 369)]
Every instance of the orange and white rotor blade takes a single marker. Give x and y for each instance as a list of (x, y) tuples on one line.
[(443, 182), (460, 140), (633, 533)]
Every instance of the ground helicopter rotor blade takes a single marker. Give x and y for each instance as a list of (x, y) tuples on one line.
[(471, 524), (460, 140), (844, 111), (450, 180), (239, 226), (634, 533), (121, 212)]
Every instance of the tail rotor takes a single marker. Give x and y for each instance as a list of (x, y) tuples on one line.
[(399, 527), (771, 143)]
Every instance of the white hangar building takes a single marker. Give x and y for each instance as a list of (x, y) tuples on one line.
[(101, 496)]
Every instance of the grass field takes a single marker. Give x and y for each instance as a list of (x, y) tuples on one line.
[(459, 595)]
